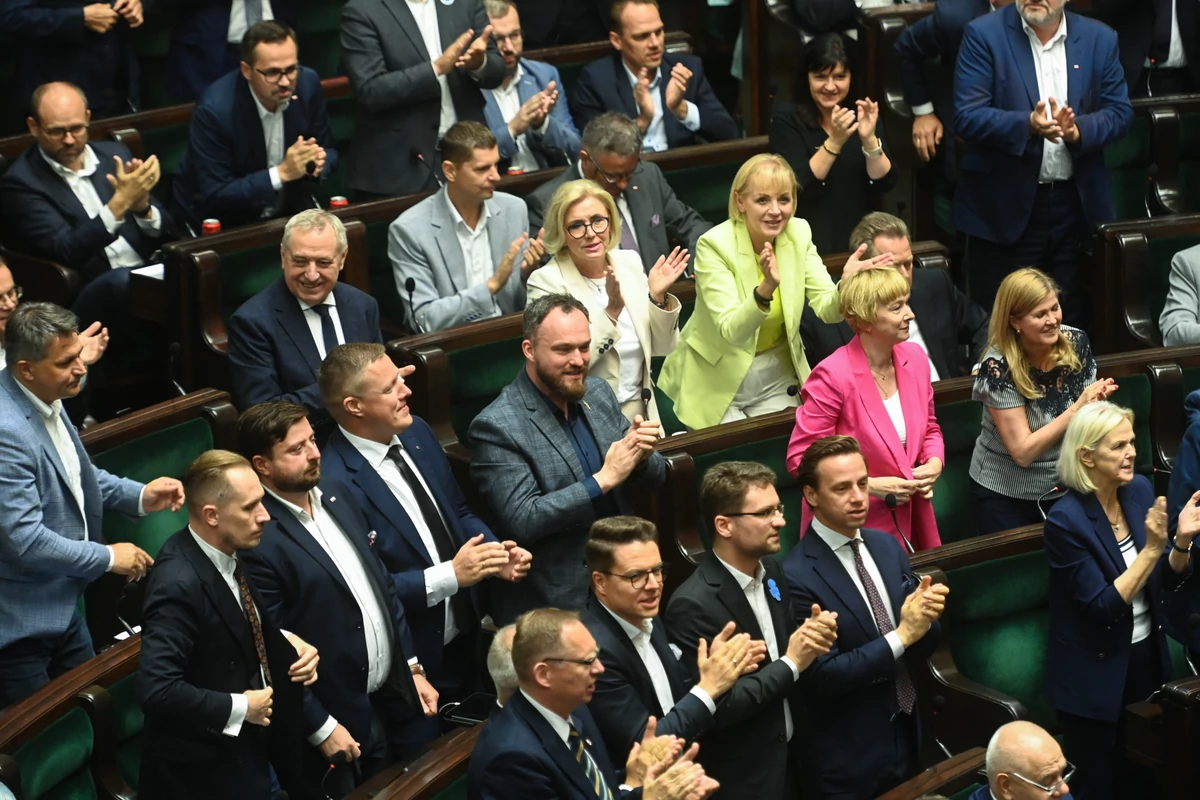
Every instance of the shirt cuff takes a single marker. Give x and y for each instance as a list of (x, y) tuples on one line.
[(237, 715), (893, 640), (276, 181), (440, 583), (111, 223), (795, 670), (151, 223), (922, 110), (112, 558), (323, 732), (592, 487), (142, 502), (704, 698), (691, 120)]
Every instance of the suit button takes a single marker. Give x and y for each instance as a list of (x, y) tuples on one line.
[(783, 737), (610, 341), (1102, 656)]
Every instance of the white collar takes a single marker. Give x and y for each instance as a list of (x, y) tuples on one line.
[(224, 563), (561, 726), (373, 451), (1061, 33), (633, 79), (457, 217), (742, 578), (263, 113), (835, 540), (90, 162), (48, 411), (329, 300), (314, 499), (632, 631)]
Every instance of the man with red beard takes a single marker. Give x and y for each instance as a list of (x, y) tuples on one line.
[(552, 454)]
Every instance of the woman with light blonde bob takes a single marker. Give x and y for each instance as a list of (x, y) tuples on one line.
[(633, 317), (740, 354)]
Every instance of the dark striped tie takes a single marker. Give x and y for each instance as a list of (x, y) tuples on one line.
[(906, 693), (582, 756)]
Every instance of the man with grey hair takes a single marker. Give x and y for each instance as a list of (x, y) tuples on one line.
[(500, 664), (52, 502), (653, 219), (1025, 763), (278, 338)]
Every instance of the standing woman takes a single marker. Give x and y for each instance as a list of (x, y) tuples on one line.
[(831, 144), (740, 354), (1105, 541), (1036, 374)]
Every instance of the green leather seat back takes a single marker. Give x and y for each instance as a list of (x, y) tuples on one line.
[(1128, 162), (54, 763), (570, 79), (128, 721), (965, 794), (245, 273), (169, 143), (167, 452), (317, 35), (477, 376), (1189, 156), (772, 452), (1191, 379), (952, 495), (706, 189), (457, 790), (1134, 393), (379, 272), (151, 41), (341, 121)]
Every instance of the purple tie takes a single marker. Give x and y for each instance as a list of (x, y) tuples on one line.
[(906, 693)]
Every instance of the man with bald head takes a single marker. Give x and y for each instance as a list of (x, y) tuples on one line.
[(1025, 763)]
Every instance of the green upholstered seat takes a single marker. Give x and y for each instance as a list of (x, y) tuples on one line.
[(1134, 393), (341, 112), (457, 790), (569, 73), (477, 376), (952, 496), (151, 41), (166, 452), (245, 273), (128, 722), (965, 794), (1191, 379), (1128, 162), (772, 452), (1189, 160), (379, 272), (54, 763), (705, 189), (168, 143), (318, 38)]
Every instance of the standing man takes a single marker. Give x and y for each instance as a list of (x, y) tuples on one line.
[(527, 112), (864, 693), (749, 749), (215, 671), (417, 67), (1160, 43), (259, 139), (438, 551), (1039, 94), (52, 503), (553, 454)]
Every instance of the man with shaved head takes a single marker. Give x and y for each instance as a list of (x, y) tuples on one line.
[(1025, 763)]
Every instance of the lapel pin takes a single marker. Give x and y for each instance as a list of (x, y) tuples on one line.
[(1076, 66), (371, 537), (774, 587), (332, 499), (418, 447)]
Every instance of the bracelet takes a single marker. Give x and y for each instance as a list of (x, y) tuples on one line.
[(663, 305), (758, 298), (1179, 549), (834, 153)]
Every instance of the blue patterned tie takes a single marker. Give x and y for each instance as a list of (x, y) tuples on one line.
[(582, 756), (254, 12)]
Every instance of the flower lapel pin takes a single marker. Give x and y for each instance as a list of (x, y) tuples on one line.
[(371, 537), (774, 589), (654, 221)]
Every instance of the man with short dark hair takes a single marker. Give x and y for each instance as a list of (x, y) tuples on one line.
[(474, 262), (259, 139), (863, 692), (553, 453)]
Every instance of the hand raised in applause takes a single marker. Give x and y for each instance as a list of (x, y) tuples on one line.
[(651, 750), (813, 638), (665, 272), (473, 57), (730, 657)]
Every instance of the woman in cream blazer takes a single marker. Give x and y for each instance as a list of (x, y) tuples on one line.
[(632, 316)]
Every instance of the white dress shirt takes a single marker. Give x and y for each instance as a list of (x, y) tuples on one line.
[(237, 19), (840, 545), (654, 666), (425, 14), (1050, 64), (272, 125), (120, 253), (476, 249), (628, 346), (561, 726), (756, 594), (440, 581), (314, 322), (656, 135), (508, 100), (914, 336), (1176, 55)]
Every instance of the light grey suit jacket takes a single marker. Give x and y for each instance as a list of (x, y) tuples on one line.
[(423, 245), (1180, 318), (45, 559), (526, 468)]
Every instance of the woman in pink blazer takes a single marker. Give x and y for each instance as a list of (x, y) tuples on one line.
[(877, 389)]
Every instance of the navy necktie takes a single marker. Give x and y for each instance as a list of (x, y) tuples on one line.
[(328, 332)]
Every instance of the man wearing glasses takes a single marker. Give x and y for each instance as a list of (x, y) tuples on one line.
[(260, 138), (652, 217), (1025, 763)]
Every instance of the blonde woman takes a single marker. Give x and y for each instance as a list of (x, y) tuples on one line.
[(740, 354), (633, 317), (1036, 373)]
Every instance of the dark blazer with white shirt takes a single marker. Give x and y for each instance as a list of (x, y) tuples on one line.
[(559, 142), (1135, 20), (850, 690), (272, 353)]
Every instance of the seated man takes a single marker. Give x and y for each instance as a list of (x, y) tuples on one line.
[(279, 337), (642, 676), (1180, 318), (527, 112), (259, 138), (1158, 44), (500, 664), (552, 454), (462, 270), (1023, 763), (953, 331), (653, 219), (438, 551), (410, 86), (863, 693), (666, 94)]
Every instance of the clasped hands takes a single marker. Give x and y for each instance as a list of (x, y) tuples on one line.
[(1053, 122), (659, 765)]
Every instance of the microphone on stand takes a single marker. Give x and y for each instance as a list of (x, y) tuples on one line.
[(311, 169), (1043, 496), (417, 155), (410, 286), (647, 396), (890, 500)]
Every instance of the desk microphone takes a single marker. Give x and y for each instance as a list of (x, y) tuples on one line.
[(647, 395), (890, 500), (311, 169), (417, 155), (410, 286), (1043, 496), (1149, 471)]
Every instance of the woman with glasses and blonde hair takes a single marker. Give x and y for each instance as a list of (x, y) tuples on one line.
[(1036, 374), (877, 389), (633, 315), (1105, 541), (740, 354)]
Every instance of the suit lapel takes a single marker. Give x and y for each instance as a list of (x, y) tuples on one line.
[(290, 317), (933, 320), (872, 403), (891, 581), (495, 232), (447, 240), (247, 110), (56, 187), (1104, 531), (427, 468), (372, 566), (228, 609), (640, 676), (377, 492), (732, 597), (39, 430), (528, 87), (292, 528), (624, 90), (554, 746), (408, 24), (1022, 51), (1076, 70), (911, 407), (833, 573), (544, 420), (778, 606)]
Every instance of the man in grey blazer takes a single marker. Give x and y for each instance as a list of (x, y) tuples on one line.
[(1180, 318), (552, 454), (52, 502), (417, 67), (652, 217), (464, 269)]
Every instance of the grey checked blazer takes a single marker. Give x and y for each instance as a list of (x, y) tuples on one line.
[(527, 471)]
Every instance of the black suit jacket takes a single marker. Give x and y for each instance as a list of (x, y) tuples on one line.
[(625, 696), (850, 691), (954, 328), (305, 593), (197, 649), (825, 16), (1134, 21), (604, 86), (42, 217), (747, 748)]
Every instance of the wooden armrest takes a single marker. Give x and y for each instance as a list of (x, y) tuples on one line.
[(1133, 263), (42, 279), (208, 300), (105, 769), (1165, 192), (441, 762), (947, 777), (430, 386), (1166, 423)]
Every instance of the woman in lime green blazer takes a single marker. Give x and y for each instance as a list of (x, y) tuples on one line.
[(740, 353)]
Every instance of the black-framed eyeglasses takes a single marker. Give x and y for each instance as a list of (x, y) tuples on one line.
[(513, 37), (276, 75), (14, 294), (583, 662), (76, 131), (638, 580), (612, 180), (766, 513), (578, 228)]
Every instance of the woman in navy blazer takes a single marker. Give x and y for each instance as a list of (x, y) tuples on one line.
[(1105, 541)]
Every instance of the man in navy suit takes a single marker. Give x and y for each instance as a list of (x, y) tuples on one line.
[(1025, 763), (1158, 41), (527, 112), (279, 337), (319, 577), (642, 675), (1039, 93), (667, 94), (259, 138), (437, 550), (863, 692)]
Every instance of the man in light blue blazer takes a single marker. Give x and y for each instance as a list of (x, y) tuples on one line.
[(527, 112), (52, 502), (474, 262)]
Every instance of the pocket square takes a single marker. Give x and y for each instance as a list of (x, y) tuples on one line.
[(655, 221), (678, 653)]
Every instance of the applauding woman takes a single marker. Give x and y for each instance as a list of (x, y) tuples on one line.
[(633, 316)]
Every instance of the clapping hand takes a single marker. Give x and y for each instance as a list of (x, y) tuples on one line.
[(473, 57), (1064, 117), (1043, 124), (94, 340), (651, 750), (856, 262), (519, 562), (843, 125), (1156, 525), (665, 272), (677, 90), (534, 253), (645, 103), (868, 118)]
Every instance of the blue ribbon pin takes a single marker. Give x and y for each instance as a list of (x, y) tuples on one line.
[(774, 589)]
